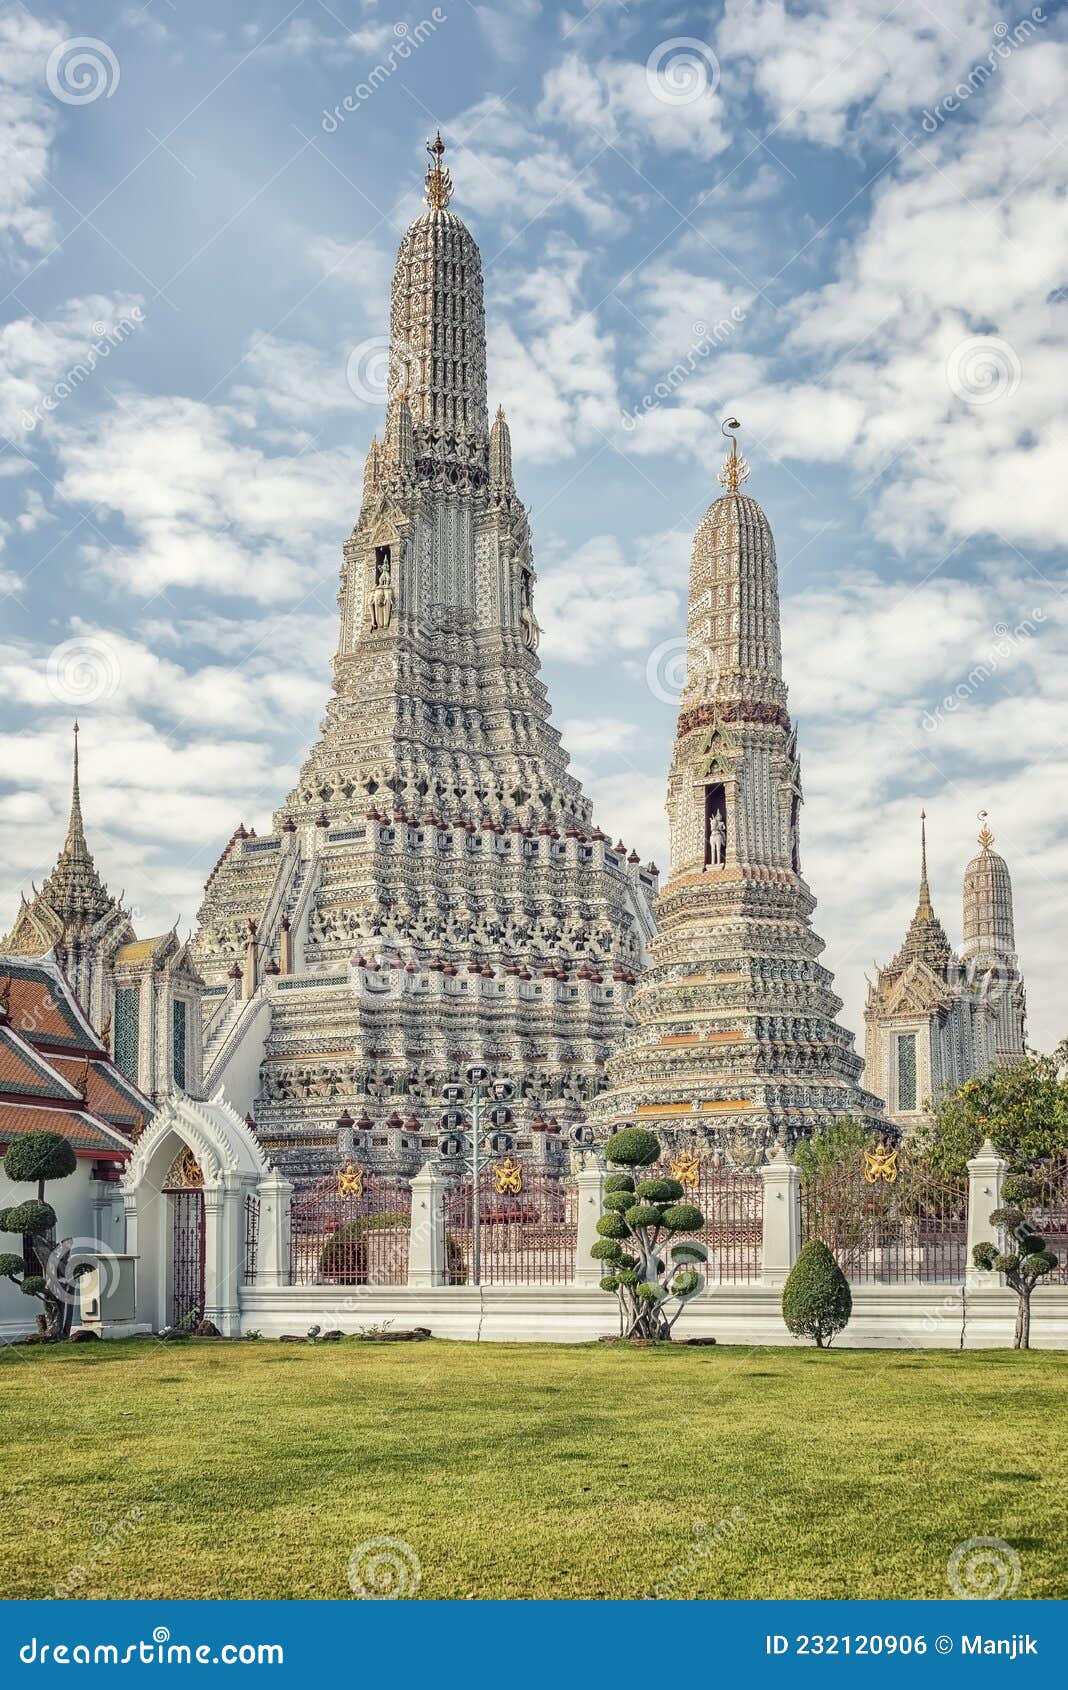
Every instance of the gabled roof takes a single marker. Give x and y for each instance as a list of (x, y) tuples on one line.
[(42, 1007), (55, 1075), (81, 1130)]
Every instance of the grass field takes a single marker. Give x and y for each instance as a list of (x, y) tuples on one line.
[(255, 1469)]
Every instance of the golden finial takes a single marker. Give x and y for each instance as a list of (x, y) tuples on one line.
[(986, 838), (438, 180), (735, 469)]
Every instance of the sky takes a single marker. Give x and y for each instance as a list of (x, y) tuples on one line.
[(846, 226)]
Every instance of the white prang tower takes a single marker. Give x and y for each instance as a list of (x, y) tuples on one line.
[(434, 890), (736, 1040)]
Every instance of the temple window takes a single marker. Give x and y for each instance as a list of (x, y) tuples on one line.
[(906, 1071), (127, 1023)]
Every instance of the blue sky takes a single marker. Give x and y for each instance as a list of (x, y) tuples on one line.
[(846, 226)]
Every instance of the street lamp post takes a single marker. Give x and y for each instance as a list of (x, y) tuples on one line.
[(503, 1091)]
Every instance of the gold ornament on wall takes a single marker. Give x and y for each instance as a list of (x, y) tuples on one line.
[(350, 1181), (508, 1176), (880, 1163), (685, 1166)]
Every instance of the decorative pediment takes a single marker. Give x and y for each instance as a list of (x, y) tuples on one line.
[(918, 991)]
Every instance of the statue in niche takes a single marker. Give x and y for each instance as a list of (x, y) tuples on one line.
[(528, 625), (383, 597), (717, 840)]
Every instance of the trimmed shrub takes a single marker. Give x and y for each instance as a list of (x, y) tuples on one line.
[(816, 1299), (619, 1182), (36, 1157), (634, 1147), (661, 1190), (683, 1217)]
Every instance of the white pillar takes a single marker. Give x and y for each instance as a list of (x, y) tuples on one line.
[(223, 1253), (590, 1183), (272, 1245), (426, 1242), (782, 1217), (985, 1174)]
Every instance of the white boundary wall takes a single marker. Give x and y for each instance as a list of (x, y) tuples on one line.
[(884, 1316)]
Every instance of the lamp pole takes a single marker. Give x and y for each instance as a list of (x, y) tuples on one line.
[(503, 1090)]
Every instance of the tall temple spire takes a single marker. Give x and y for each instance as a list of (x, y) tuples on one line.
[(925, 890), (735, 1040), (925, 940), (75, 827)]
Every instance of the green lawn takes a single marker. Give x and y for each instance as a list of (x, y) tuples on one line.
[(254, 1469)]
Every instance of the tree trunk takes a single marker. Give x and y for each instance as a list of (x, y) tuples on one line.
[(1022, 1339)]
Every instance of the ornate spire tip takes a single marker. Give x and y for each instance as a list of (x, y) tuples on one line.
[(735, 470), (986, 838), (438, 180)]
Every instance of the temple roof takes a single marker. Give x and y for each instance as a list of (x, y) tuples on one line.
[(74, 890), (926, 939)]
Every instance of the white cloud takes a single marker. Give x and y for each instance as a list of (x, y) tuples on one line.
[(825, 69), (642, 105), (205, 509), (42, 364), (27, 129), (594, 602), (505, 168)]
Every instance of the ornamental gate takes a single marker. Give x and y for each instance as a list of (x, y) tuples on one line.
[(732, 1202), (183, 1190), (352, 1228), (527, 1227), (1051, 1213), (187, 1257), (889, 1220)]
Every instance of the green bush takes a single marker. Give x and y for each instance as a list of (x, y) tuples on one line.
[(661, 1190), (31, 1216), (344, 1255), (619, 1182), (620, 1201), (606, 1250), (10, 1264), (643, 1214), (683, 1217), (816, 1299), (613, 1226), (39, 1156), (634, 1147)]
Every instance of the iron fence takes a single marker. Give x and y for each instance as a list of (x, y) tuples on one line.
[(528, 1227), (910, 1228), (1051, 1213), (252, 1236), (732, 1203), (352, 1228)]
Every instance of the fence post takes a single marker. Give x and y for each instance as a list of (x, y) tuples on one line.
[(781, 1235), (589, 1184), (426, 1241), (272, 1245), (985, 1174)]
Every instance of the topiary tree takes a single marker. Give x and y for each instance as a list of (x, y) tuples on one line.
[(1027, 1258), (42, 1268), (638, 1220), (816, 1299)]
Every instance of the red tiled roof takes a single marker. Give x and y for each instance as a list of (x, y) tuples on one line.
[(77, 1127), (25, 1072), (110, 1094), (42, 1007)]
